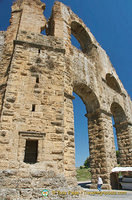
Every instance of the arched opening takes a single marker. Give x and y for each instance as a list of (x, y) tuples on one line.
[(121, 125), (115, 140), (75, 42), (91, 106), (78, 31), (88, 97), (81, 140), (118, 113), (112, 82), (43, 31), (81, 131)]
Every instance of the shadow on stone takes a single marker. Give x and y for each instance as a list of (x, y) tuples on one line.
[(85, 184)]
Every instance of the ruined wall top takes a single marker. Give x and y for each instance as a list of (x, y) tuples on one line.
[(64, 23), (31, 18), (20, 2)]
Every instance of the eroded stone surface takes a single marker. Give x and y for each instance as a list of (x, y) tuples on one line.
[(2, 38)]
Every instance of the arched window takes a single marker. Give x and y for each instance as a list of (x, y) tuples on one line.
[(118, 113), (88, 96), (112, 83), (75, 42), (79, 32), (43, 31)]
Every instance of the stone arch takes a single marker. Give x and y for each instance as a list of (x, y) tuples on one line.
[(88, 97), (118, 113), (96, 143), (112, 82), (102, 158), (121, 126), (80, 33)]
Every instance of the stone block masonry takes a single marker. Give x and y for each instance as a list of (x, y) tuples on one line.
[(2, 39), (38, 76)]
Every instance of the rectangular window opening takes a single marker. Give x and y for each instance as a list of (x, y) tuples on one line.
[(33, 107), (31, 151), (37, 79), (39, 51)]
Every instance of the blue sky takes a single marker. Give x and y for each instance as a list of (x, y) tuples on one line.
[(110, 21)]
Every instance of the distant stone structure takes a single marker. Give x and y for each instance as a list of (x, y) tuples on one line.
[(38, 75)]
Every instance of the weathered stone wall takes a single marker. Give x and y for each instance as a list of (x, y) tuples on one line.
[(29, 183), (23, 13), (38, 76), (2, 39), (69, 144), (22, 92), (43, 59), (32, 18)]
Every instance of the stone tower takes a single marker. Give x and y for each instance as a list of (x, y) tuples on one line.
[(38, 76)]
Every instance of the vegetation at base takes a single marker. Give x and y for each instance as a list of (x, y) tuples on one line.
[(83, 174), (87, 162)]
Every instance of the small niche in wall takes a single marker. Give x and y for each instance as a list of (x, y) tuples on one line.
[(39, 51), (33, 108), (37, 79)]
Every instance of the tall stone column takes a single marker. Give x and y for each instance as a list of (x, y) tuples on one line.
[(101, 144), (124, 131), (130, 135), (69, 144)]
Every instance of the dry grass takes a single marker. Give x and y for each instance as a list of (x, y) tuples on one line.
[(83, 174)]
